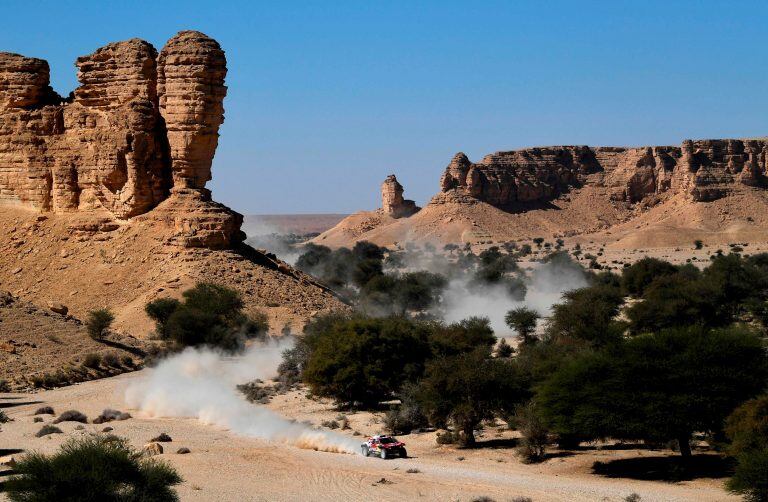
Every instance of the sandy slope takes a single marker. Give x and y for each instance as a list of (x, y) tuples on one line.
[(223, 466), (583, 215), (42, 259)]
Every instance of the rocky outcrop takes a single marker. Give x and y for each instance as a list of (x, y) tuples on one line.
[(140, 130), (392, 201), (705, 170)]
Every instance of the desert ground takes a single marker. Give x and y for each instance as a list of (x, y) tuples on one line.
[(223, 465)]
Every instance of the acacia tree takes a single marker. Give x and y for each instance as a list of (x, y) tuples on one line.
[(659, 387), (467, 388), (523, 320)]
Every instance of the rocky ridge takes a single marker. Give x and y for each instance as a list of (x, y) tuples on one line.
[(705, 170)]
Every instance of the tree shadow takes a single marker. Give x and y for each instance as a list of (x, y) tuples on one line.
[(117, 345), (9, 451), (18, 403), (666, 468), (495, 444)]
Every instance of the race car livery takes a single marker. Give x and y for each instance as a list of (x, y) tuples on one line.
[(383, 447)]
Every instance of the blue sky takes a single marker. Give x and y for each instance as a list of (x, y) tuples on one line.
[(327, 98)]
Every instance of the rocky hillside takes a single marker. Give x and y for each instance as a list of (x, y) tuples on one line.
[(567, 191), (102, 194)]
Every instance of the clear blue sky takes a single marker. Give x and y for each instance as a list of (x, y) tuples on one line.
[(327, 98)]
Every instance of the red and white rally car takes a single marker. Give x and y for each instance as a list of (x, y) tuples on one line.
[(384, 447)]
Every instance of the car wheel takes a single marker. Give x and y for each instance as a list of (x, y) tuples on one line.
[(364, 450), (403, 453), (383, 453)]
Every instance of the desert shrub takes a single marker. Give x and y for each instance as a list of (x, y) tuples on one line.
[(747, 430), (98, 323), (504, 349), (257, 392), (640, 274), (92, 469), (698, 244), (44, 410), (209, 315), (468, 388), (523, 320), (4, 419), (111, 359), (71, 416), (632, 497), (535, 435), (161, 438), (656, 387), (47, 430), (92, 360), (330, 424), (447, 437), (364, 360), (108, 415), (4, 385)]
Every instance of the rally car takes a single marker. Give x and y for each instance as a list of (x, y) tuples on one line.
[(384, 447)]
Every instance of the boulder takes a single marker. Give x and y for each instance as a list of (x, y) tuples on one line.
[(152, 449)]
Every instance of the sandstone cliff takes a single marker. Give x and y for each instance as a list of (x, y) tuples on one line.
[(140, 130), (705, 170)]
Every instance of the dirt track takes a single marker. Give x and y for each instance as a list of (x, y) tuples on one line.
[(223, 466)]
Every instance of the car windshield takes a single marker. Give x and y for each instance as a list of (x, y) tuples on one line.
[(388, 440)]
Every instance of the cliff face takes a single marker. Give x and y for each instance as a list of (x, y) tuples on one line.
[(706, 170), (140, 130)]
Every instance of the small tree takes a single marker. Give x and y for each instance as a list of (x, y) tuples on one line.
[(92, 469), (535, 435), (698, 243), (468, 388), (98, 322), (640, 274), (523, 320)]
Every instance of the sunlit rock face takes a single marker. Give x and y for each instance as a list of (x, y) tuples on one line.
[(139, 130)]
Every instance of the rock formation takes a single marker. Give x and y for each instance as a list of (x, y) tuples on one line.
[(137, 137), (392, 201), (706, 170)]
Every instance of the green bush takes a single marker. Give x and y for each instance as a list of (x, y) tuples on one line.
[(47, 430), (209, 315), (99, 322), (747, 430), (92, 360), (92, 469)]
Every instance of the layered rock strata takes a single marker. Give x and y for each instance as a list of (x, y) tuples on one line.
[(705, 170), (140, 129)]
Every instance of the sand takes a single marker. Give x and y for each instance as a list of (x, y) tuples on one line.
[(224, 466)]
